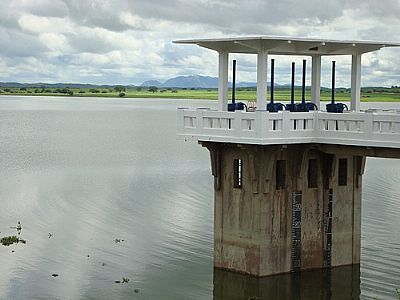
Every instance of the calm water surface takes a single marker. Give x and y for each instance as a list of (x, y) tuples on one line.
[(90, 171)]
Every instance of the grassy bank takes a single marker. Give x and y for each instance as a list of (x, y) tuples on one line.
[(246, 94)]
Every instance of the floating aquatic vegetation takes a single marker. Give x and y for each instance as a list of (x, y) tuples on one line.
[(9, 240), (124, 280)]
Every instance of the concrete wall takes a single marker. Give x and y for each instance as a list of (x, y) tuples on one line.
[(255, 228)]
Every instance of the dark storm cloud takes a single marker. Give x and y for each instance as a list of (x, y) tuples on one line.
[(43, 8), (17, 44), (92, 13), (242, 16), (227, 14), (84, 42)]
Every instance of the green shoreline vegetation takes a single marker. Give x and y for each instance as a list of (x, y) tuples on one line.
[(368, 94)]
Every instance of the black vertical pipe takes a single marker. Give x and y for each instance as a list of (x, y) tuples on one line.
[(234, 82), (333, 82), (272, 79), (303, 88), (292, 90)]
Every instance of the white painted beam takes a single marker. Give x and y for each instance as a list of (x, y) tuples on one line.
[(262, 68), (316, 80), (223, 80), (355, 82)]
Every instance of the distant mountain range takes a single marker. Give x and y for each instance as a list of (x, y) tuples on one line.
[(192, 81)]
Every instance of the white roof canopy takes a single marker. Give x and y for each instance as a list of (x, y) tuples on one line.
[(289, 45)]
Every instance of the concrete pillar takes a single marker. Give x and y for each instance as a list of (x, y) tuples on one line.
[(223, 80), (262, 68), (316, 80), (355, 82), (296, 208)]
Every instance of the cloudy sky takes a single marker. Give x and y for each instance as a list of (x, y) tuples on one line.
[(129, 41)]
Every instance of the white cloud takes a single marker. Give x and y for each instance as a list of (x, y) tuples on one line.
[(123, 41), (55, 42), (37, 24), (134, 21)]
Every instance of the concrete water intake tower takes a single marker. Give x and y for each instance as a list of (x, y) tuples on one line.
[(288, 177)]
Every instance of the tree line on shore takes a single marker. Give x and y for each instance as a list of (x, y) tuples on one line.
[(246, 93), (118, 89)]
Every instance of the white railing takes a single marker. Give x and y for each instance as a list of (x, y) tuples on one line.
[(370, 128)]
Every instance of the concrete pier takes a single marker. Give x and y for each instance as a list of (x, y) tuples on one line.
[(285, 208)]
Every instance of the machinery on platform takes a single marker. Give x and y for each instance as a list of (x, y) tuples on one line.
[(335, 107), (272, 106), (303, 106), (235, 105)]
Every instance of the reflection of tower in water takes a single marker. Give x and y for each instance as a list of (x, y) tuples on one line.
[(336, 283)]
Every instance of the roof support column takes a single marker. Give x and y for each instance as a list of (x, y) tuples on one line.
[(223, 80), (262, 68), (355, 82), (316, 80)]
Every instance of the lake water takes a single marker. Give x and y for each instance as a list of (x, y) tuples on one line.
[(104, 190)]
